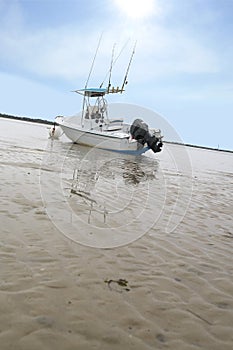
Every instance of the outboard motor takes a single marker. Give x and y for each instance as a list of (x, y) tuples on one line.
[(140, 132)]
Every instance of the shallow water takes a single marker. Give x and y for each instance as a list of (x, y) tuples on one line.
[(165, 221)]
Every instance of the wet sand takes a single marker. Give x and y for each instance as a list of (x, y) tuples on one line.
[(171, 288)]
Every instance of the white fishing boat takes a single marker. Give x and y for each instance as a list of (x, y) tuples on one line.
[(95, 128)]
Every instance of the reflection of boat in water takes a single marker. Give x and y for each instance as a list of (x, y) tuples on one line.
[(100, 198), (94, 127), (105, 187)]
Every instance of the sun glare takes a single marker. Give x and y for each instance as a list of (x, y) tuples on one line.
[(136, 9)]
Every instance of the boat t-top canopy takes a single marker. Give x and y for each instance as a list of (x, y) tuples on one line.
[(92, 92)]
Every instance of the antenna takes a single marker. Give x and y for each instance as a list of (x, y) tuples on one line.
[(92, 65), (127, 71)]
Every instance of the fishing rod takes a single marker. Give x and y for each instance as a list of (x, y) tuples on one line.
[(127, 71), (88, 78), (92, 65), (114, 62), (110, 70)]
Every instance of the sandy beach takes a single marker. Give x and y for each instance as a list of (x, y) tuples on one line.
[(104, 252)]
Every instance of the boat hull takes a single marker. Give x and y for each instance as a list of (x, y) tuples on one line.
[(104, 140)]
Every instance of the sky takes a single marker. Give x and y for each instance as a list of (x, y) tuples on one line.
[(181, 69)]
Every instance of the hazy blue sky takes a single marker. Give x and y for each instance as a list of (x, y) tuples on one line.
[(182, 67)]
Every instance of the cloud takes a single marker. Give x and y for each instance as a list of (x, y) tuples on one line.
[(165, 51), (66, 51)]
